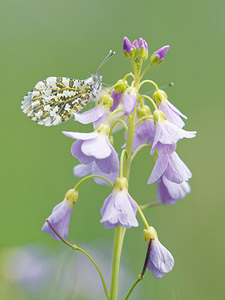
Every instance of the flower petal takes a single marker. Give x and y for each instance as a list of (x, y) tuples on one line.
[(97, 147), (159, 168)]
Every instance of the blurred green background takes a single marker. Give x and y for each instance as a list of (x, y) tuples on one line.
[(70, 38)]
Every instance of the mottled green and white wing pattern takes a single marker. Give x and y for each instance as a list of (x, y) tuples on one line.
[(53, 100)]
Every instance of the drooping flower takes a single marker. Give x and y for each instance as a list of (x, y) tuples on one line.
[(171, 166), (97, 115), (95, 146), (82, 170), (60, 216), (173, 115), (129, 100), (119, 209), (169, 192), (166, 132), (160, 260), (158, 56), (117, 93)]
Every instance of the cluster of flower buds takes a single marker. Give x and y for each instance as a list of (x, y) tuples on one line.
[(135, 50), (159, 129)]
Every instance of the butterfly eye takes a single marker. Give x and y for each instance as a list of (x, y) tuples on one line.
[(95, 78)]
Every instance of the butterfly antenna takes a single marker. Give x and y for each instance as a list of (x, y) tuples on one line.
[(161, 87), (108, 56)]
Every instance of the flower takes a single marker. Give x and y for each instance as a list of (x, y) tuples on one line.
[(166, 132), (171, 112), (119, 209), (60, 216), (95, 146), (129, 100), (127, 47), (96, 115), (172, 167), (160, 260), (169, 192), (158, 56), (84, 170), (143, 47)]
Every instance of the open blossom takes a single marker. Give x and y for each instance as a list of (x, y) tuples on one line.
[(95, 146), (172, 167), (96, 115), (160, 260), (60, 216), (173, 115), (82, 170), (119, 209), (169, 192), (166, 132)]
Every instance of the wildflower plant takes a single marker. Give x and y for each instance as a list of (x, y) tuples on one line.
[(151, 122)]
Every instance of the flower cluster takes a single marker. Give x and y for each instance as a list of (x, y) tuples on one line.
[(158, 126)]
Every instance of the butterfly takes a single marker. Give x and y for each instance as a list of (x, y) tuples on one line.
[(54, 99)]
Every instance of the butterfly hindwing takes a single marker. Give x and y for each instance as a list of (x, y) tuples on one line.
[(53, 100)]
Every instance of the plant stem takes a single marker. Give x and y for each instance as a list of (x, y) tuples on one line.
[(118, 242)]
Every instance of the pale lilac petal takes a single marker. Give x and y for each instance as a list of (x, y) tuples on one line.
[(101, 120), (117, 98), (160, 260), (168, 133), (129, 102), (82, 170), (119, 210), (96, 171), (176, 110), (98, 147), (171, 115), (76, 152), (90, 115), (80, 135), (109, 164), (166, 148), (159, 168), (59, 219), (176, 170), (169, 192)]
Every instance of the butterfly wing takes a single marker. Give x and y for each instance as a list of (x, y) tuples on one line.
[(53, 100)]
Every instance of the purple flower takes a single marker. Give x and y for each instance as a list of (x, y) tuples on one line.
[(84, 170), (96, 115), (127, 47), (119, 209), (173, 115), (169, 192), (160, 260), (158, 56), (95, 146), (166, 132), (144, 133), (117, 98), (60, 216), (172, 167), (129, 100)]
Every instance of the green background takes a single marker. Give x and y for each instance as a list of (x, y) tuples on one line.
[(70, 38)]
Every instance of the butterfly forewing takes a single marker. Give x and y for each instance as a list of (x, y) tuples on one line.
[(53, 100)]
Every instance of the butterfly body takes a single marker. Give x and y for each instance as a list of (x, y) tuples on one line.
[(53, 99)]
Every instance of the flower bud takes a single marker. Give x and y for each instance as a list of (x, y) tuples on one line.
[(143, 48), (143, 111), (128, 48), (129, 100), (158, 56), (158, 115)]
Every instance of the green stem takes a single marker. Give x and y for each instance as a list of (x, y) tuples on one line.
[(133, 286), (118, 242), (150, 204), (75, 247), (89, 177)]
